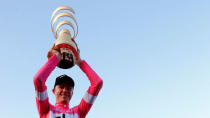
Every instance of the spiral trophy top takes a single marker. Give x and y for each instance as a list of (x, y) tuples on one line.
[(56, 16), (64, 41)]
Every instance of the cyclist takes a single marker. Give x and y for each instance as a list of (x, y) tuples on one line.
[(63, 90)]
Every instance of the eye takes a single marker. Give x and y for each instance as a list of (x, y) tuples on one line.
[(61, 86), (68, 88)]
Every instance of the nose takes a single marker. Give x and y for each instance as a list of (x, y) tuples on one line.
[(65, 89)]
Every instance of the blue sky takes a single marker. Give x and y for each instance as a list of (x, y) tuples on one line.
[(153, 55)]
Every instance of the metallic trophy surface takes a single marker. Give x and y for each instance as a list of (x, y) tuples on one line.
[(64, 40)]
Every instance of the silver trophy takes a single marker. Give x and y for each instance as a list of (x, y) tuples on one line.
[(64, 40)]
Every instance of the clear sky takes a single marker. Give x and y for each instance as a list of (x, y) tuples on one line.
[(153, 55)]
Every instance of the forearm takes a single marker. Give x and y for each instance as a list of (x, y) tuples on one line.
[(42, 75), (95, 81)]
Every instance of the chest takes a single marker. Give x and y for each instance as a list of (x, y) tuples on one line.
[(63, 115), (55, 112)]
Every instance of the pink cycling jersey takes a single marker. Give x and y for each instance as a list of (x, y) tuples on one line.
[(60, 110)]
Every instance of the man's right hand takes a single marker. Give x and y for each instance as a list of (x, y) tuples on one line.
[(53, 51)]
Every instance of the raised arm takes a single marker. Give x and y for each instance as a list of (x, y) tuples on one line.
[(93, 90), (39, 83)]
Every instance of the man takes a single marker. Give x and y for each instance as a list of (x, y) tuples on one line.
[(63, 90)]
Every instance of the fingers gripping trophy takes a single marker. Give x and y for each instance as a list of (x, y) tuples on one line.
[(65, 42)]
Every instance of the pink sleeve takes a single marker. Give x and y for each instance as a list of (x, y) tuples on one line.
[(92, 92), (40, 78)]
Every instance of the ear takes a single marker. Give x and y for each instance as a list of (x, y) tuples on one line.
[(72, 92), (53, 90)]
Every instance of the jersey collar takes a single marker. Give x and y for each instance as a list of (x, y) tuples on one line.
[(61, 105)]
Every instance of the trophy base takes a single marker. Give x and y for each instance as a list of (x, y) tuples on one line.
[(67, 60)]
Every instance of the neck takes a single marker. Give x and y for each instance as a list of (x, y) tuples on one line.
[(63, 103)]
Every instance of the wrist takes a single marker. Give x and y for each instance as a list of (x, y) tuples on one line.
[(58, 55), (78, 62)]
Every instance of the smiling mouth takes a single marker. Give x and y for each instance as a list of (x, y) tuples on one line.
[(64, 95)]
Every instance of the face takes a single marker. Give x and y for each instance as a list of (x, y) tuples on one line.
[(63, 93)]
